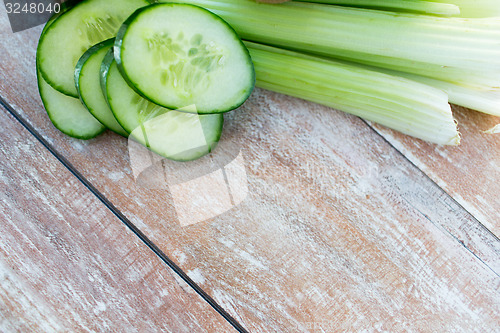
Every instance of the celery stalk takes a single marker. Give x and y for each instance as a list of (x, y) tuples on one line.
[(482, 100), (464, 51), (401, 104), (412, 6), (494, 130), (486, 101), (476, 8)]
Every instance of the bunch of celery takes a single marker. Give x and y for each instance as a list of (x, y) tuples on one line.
[(460, 56), (405, 105)]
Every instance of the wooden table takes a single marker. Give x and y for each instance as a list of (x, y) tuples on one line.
[(346, 226)]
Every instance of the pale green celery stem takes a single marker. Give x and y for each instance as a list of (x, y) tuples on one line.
[(450, 49), (482, 100), (401, 104), (494, 130), (486, 101), (413, 6), (476, 8)]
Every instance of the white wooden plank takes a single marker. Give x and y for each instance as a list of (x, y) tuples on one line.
[(469, 172)]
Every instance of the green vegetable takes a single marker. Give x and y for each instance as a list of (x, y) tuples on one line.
[(493, 130), (71, 34), (486, 101), (412, 6), (87, 74), (180, 136), (462, 51), (404, 105), (476, 8), (178, 55), (67, 113)]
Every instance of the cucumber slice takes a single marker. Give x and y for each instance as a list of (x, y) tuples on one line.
[(179, 136), (71, 34), (65, 6), (177, 55), (67, 113), (87, 80)]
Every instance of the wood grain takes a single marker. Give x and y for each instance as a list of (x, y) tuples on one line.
[(4, 21), (68, 264), (469, 172), (338, 232)]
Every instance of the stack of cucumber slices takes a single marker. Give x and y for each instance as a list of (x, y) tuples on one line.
[(162, 74)]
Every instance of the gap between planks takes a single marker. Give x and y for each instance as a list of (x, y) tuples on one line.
[(178, 270), (448, 195), (153, 247)]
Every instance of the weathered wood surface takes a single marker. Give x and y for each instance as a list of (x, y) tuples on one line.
[(67, 264), (470, 173), (338, 230), (4, 22)]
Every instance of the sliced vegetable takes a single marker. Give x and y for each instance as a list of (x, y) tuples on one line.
[(177, 55), (175, 135), (463, 51), (67, 113), (404, 105), (87, 80), (71, 34)]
